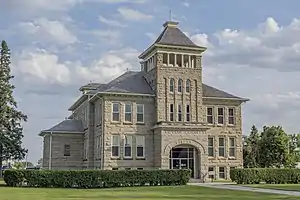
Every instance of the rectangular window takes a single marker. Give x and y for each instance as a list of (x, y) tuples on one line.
[(231, 120), (222, 172), (128, 112), (179, 112), (188, 114), (128, 146), (140, 146), (140, 113), (231, 147), (220, 115), (211, 173), (209, 115), (171, 112), (115, 112), (67, 150), (211, 147), (222, 147), (115, 146)]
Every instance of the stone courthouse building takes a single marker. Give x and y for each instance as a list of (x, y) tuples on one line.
[(161, 117)]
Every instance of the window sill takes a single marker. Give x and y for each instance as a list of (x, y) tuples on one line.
[(115, 122), (211, 157), (231, 125), (220, 125), (221, 157), (140, 123), (115, 158), (128, 158), (209, 124), (127, 123), (231, 158)]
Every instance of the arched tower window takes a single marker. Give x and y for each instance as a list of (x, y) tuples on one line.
[(188, 86), (172, 83), (180, 85)]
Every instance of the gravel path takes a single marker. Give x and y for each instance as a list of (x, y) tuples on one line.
[(245, 188)]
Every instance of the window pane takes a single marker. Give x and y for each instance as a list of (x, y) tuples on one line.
[(188, 86), (140, 108), (179, 85), (220, 111), (116, 140), (210, 152), (221, 142), (128, 117), (115, 151), (210, 142), (128, 140), (231, 120), (67, 150), (140, 118), (220, 119), (128, 108), (232, 142), (230, 111), (232, 152), (171, 108), (116, 117), (127, 152), (115, 107), (221, 152), (209, 111), (209, 119), (140, 151), (140, 140)]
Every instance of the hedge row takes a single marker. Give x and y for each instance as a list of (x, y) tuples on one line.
[(95, 178), (266, 175)]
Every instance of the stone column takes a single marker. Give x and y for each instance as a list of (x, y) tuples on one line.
[(190, 63), (175, 60), (182, 60), (168, 63)]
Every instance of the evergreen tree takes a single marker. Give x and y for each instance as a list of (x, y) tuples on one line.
[(11, 131)]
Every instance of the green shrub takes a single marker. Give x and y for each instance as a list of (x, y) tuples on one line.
[(267, 175), (95, 178)]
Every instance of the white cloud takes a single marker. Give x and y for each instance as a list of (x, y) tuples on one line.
[(107, 36), (134, 15), (48, 31), (118, 1), (111, 22), (186, 4), (110, 65), (40, 65)]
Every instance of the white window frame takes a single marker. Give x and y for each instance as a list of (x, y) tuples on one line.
[(220, 116), (139, 113), (179, 112), (222, 147), (113, 112), (171, 112), (222, 172), (232, 147), (188, 86), (172, 85), (188, 113), (128, 113), (210, 147), (231, 116), (212, 115), (130, 145), (115, 145), (179, 85), (140, 145)]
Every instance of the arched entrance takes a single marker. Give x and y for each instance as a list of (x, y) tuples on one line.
[(185, 157)]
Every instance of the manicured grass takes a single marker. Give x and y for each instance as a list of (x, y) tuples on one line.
[(288, 187), (142, 193)]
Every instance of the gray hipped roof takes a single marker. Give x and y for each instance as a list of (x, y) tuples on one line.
[(68, 125), (172, 35), (135, 83), (129, 82)]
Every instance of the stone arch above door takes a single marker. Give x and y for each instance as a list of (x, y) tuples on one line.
[(194, 143)]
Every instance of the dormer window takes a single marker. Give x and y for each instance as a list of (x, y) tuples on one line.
[(180, 85), (172, 83)]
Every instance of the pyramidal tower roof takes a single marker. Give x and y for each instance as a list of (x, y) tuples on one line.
[(172, 35)]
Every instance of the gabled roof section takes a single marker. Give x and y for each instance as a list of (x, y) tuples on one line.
[(129, 82), (172, 35), (66, 126), (209, 91)]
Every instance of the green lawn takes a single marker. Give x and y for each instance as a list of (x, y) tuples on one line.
[(289, 187), (142, 193)]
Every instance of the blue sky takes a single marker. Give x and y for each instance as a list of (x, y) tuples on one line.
[(59, 45)]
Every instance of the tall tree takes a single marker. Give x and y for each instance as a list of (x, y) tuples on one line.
[(251, 149), (11, 131)]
